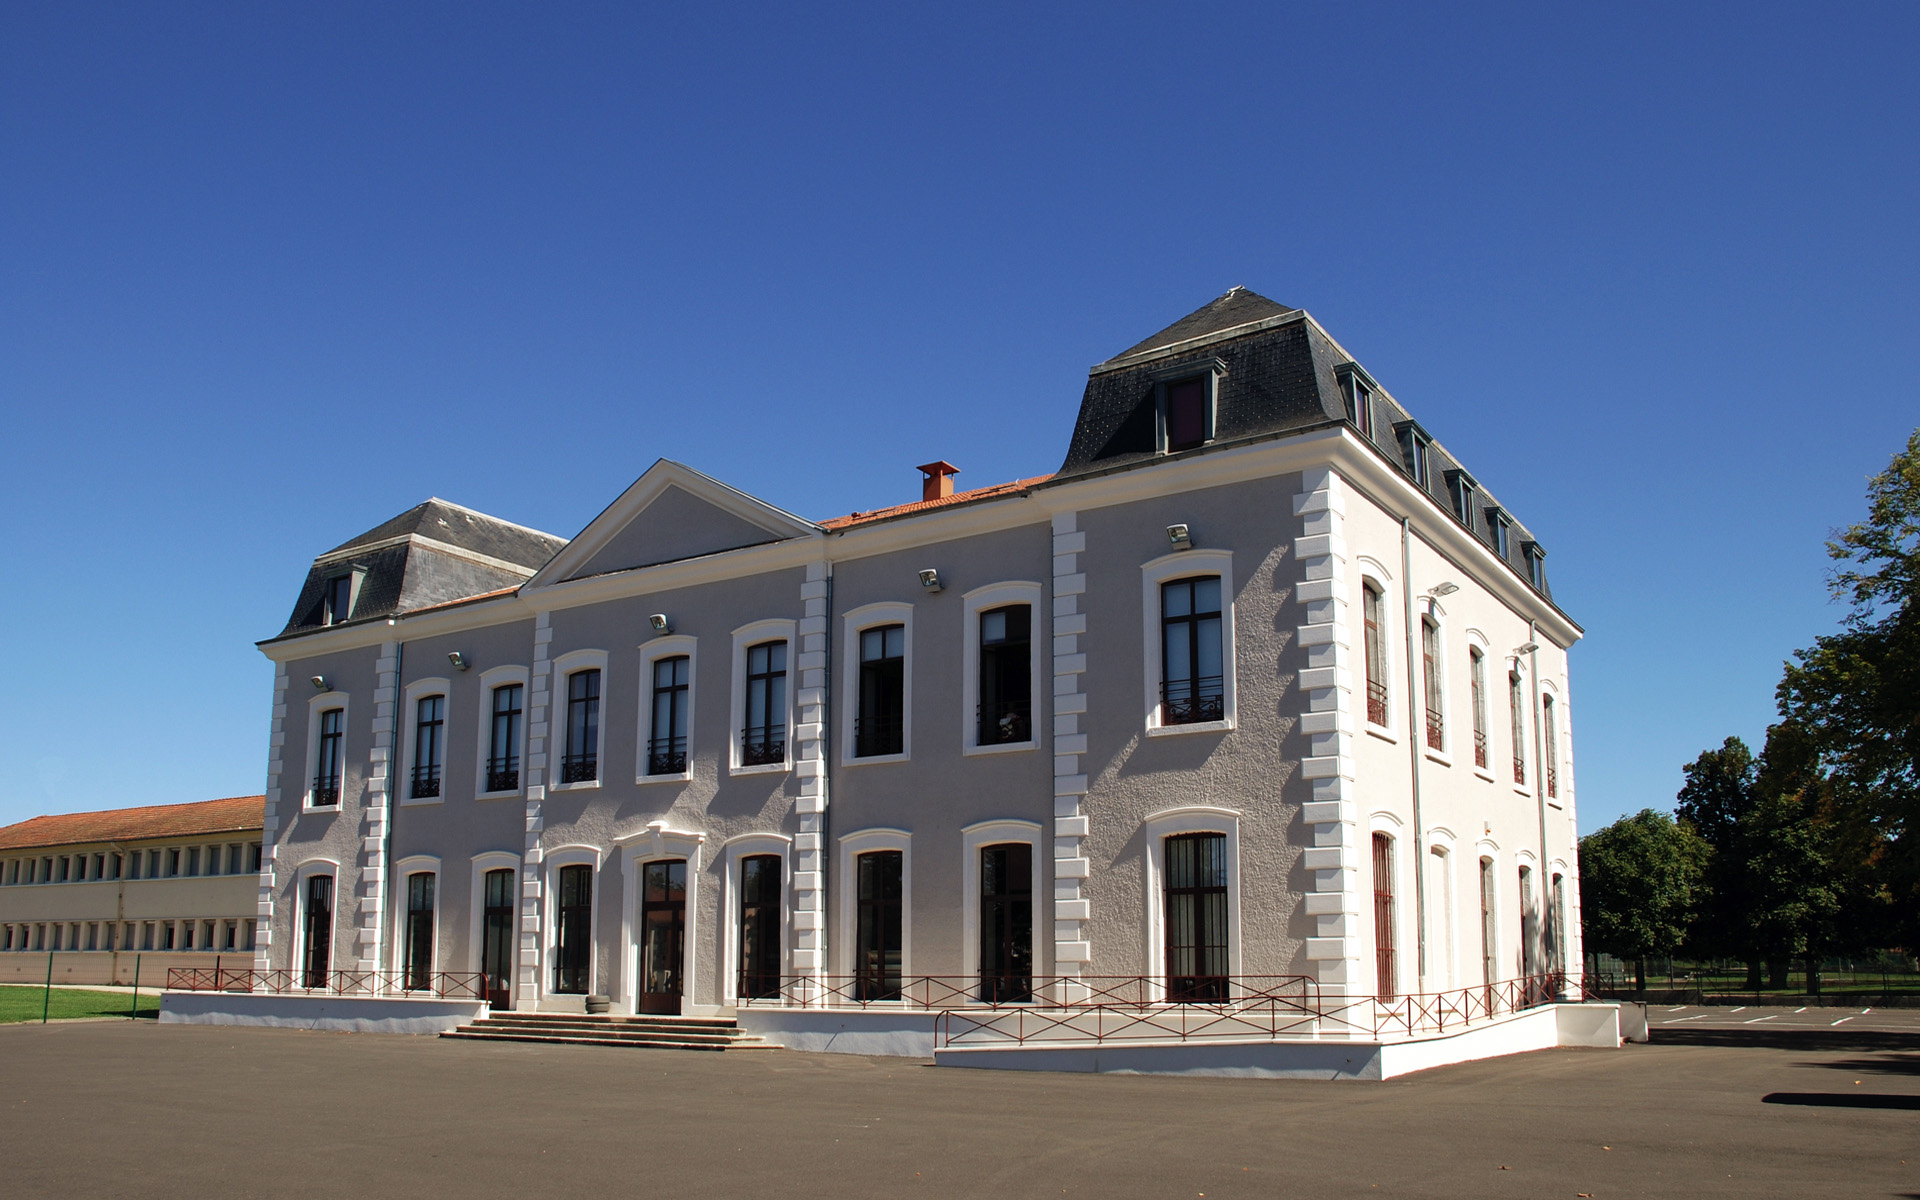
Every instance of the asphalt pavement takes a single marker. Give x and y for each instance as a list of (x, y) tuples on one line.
[(141, 1109)]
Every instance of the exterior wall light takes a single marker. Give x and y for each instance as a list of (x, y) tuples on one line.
[(1180, 536), (1529, 648), (1443, 589), (458, 660), (930, 580), (659, 622), (319, 683)]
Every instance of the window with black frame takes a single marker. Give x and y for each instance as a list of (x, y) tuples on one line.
[(338, 599), (580, 760), (1192, 681), (503, 750), (1006, 923), (419, 945), (1373, 618), (1517, 719), (878, 946), (880, 727), (327, 758), (763, 730), (1196, 915), (317, 932), (496, 934), (1185, 413), (1006, 675), (429, 728), (667, 743), (573, 952), (760, 922)]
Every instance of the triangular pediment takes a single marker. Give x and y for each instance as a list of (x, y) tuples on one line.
[(672, 512)]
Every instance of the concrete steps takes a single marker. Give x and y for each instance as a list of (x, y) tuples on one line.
[(640, 1032)]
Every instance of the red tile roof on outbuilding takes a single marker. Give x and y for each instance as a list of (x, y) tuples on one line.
[(235, 814), (918, 506)]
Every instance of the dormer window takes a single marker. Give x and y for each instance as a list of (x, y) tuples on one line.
[(1357, 388), (339, 599), (1497, 531), (1462, 489), (1184, 404), (1534, 557), (1413, 449)]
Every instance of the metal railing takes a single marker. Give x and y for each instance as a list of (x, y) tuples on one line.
[(1519, 770), (1480, 748), (1436, 730), (461, 985), (1552, 775), (326, 790), (1376, 702), (503, 774), (579, 768), (763, 744), (1191, 701), (878, 735), (666, 756), (426, 780)]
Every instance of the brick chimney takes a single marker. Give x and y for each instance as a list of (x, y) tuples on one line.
[(938, 481)]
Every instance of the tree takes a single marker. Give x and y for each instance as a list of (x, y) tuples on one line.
[(1639, 882), (1717, 798), (1856, 693)]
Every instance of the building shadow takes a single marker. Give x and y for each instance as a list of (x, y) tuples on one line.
[(1830, 1041), (1843, 1100)]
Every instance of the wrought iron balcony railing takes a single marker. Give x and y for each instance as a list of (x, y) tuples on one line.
[(503, 774), (667, 756), (1376, 702), (1190, 701), (579, 768), (1519, 769), (1436, 730), (426, 780), (763, 745), (1480, 748), (326, 790), (1553, 782), (879, 735)]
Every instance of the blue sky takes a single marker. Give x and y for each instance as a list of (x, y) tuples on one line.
[(270, 274)]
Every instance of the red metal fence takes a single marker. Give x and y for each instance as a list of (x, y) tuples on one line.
[(458, 985)]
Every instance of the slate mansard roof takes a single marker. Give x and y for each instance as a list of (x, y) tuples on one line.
[(1276, 372), (235, 814)]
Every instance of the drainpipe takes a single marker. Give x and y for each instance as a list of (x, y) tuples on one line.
[(1540, 784), (1415, 739), (119, 911), (393, 809), (827, 750)]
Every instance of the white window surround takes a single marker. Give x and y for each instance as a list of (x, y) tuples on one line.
[(867, 616), (974, 838), (975, 602), (1183, 564), (731, 852), (778, 630), (1158, 827), (1555, 754), (297, 935), (1406, 906), (1476, 640), (414, 864), (564, 668), (1524, 751), (1438, 615), (417, 691), (492, 860), (652, 651), (490, 679), (1372, 572), (852, 845), (316, 706), (549, 945), (1443, 942), (652, 844)]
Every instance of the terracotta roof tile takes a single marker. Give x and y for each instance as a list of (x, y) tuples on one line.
[(902, 510), (235, 814)]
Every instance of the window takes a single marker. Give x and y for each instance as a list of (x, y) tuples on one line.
[(580, 763), (1497, 531), (1435, 696), (1489, 938), (574, 952), (1192, 679), (99, 867), (1196, 916), (429, 729), (61, 869), (880, 727), (193, 861), (419, 944), (1006, 922), (1006, 675), (1517, 710), (496, 935), (1529, 926), (667, 745), (317, 925), (326, 770), (1383, 939), (878, 942), (253, 858), (1477, 668), (1359, 403), (1413, 449), (503, 753), (663, 935), (1461, 487), (1184, 409), (1535, 560), (760, 922), (763, 729), (1550, 769), (1373, 612), (173, 863), (338, 599), (1557, 924)]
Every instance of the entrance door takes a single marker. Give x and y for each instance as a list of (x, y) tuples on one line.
[(1006, 923), (663, 935), (496, 937), (573, 955), (760, 926), (1489, 964), (878, 953)]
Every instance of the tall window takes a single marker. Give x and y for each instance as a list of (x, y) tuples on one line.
[(429, 725), (339, 599), (1196, 916), (1186, 409), (1383, 923), (1550, 769), (1006, 675), (419, 948), (574, 952), (1413, 449), (496, 934), (1462, 489), (763, 731), (1006, 922), (1372, 611), (318, 931), (503, 752), (881, 726), (1477, 668), (667, 744), (1557, 924), (878, 945), (1529, 926), (581, 759), (760, 921), (1360, 404), (1192, 679), (1497, 531), (1430, 671), (1517, 712), (326, 769)]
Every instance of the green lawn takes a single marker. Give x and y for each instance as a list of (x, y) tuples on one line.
[(24, 1003)]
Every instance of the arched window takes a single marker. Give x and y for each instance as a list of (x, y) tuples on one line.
[(1196, 916), (1477, 668), (760, 923), (1006, 922), (419, 945), (1489, 945), (1551, 768), (1383, 963), (1430, 674), (573, 949), (1517, 710), (318, 931), (1529, 926), (1373, 612)]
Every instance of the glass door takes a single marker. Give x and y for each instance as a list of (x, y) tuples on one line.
[(663, 934), (1006, 923), (496, 937)]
